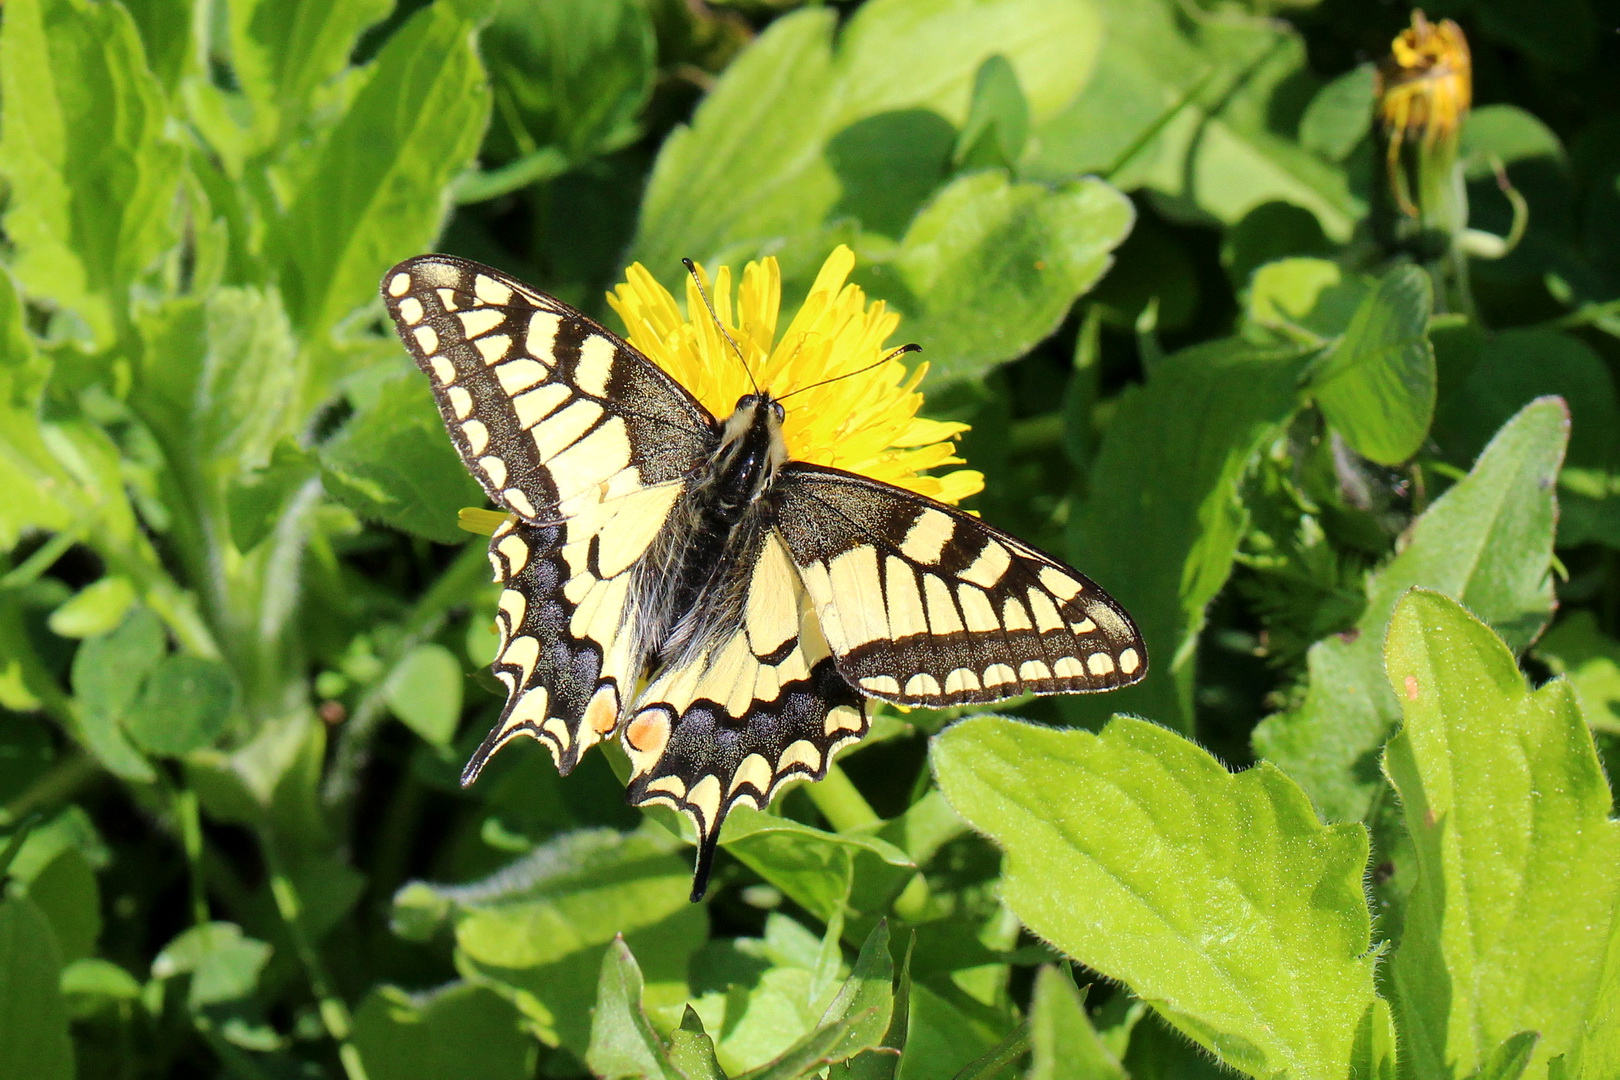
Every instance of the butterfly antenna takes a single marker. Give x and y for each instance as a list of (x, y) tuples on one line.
[(901, 351), (691, 268)]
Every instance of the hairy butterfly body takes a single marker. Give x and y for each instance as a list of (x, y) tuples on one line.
[(678, 581)]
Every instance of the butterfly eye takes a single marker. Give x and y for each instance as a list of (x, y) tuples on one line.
[(776, 407)]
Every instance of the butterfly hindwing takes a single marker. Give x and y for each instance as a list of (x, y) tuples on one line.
[(588, 445), (755, 706), (926, 605)]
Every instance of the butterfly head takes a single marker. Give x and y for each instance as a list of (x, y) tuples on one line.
[(752, 448)]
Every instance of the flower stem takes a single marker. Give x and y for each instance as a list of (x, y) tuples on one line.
[(334, 1011)]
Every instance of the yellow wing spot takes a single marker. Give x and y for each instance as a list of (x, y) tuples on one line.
[(1129, 661), (1062, 585), (926, 539), (557, 729), (443, 370), (520, 374), (494, 468), (754, 772), (942, 616), (705, 799), (854, 574), (904, 603), (595, 365), (427, 339), (881, 684), (1100, 663), (841, 718), (1034, 671), (477, 435), (602, 714), (519, 503), (491, 291), (461, 402), (493, 348), (479, 321), (999, 675), (961, 680), (987, 569), (922, 684), (411, 310), (801, 753), (645, 738), (447, 297), (516, 553), (1067, 667), (535, 405), (514, 605), (1084, 626), (564, 429), (399, 284), (522, 653), (668, 785), (1046, 612), (976, 609), (528, 711), (541, 337), (1014, 616)]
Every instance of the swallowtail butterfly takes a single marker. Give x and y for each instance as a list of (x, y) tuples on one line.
[(675, 580)]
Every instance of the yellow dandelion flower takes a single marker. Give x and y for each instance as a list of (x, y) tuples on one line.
[(866, 423), (1424, 89)]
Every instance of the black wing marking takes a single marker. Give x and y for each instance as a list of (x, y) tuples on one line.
[(924, 604), (588, 444), (759, 705)]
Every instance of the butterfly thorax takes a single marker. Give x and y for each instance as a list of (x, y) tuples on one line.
[(721, 522)]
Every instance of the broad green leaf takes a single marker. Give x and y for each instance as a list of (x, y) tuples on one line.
[(438, 1035), (986, 244), (761, 995), (624, 1045), (1161, 522), (1487, 542), (1581, 652), (33, 1020), (739, 179), (67, 894), (814, 867), (92, 984), (1309, 300), (1187, 108), (224, 963), (166, 29), (1340, 115), (541, 927), (1219, 899), (945, 1034), (392, 462), (569, 77), (1376, 386), (691, 1050), (1518, 859), (424, 691), (184, 705), (285, 53), (38, 489), (107, 676), (377, 191), (1063, 1044), (94, 610), (882, 1061), (93, 173), (857, 1019), (997, 124)]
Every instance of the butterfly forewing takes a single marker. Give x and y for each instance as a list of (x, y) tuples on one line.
[(926, 605), (588, 445)]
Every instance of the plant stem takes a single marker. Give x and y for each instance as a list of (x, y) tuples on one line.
[(60, 781), (334, 1011), (191, 840), (846, 810)]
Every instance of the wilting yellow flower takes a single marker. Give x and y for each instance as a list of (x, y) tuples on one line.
[(1424, 89), (866, 423)]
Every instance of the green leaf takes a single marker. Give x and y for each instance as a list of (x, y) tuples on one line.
[(392, 463), (986, 244), (1376, 386), (857, 1019), (67, 894), (92, 985), (1578, 650), (224, 964), (1518, 859), (1189, 109), (1488, 542), (1219, 899), (38, 489), (1063, 1044), (286, 53), (815, 867), (1511, 1058), (185, 705), (540, 928), (691, 1051), (1340, 116), (95, 609), (623, 1042), (377, 191), (424, 691), (1161, 523), (997, 124), (107, 676), (165, 27), (1310, 300), (33, 1020), (93, 174), (739, 179), (435, 1036), (569, 77)]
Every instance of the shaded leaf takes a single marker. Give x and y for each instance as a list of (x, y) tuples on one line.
[(1063, 1044), (184, 705), (425, 692), (1488, 542), (436, 1036), (623, 1042), (33, 1020)]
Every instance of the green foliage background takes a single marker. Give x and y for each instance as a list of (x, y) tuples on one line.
[(1363, 500)]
